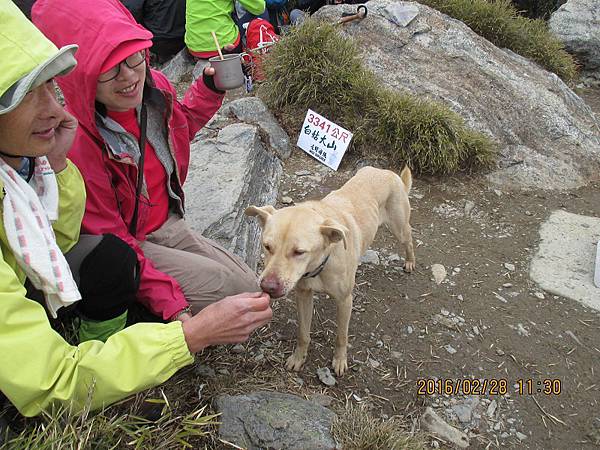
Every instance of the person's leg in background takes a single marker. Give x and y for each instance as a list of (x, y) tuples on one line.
[(205, 271), (106, 270)]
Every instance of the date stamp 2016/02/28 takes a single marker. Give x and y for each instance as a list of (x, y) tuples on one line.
[(487, 386)]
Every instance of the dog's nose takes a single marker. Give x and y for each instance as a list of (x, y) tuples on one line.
[(272, 286)]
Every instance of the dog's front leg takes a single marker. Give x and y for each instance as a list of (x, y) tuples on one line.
[(304, 304), (344, 309)]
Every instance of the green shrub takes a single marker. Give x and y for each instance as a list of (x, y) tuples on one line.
[(499, 22), (316, 67)]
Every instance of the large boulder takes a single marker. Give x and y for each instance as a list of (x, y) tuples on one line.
[(577, 25), (549, 138), (262, 420), (233, 165)]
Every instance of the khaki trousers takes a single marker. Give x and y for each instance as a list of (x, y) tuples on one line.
[(205, 271)]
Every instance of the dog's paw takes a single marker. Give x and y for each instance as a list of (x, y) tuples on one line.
[(340, 365), (409, 266), (295, 362)]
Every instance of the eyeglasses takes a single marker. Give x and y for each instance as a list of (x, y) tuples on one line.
[(131, 61)]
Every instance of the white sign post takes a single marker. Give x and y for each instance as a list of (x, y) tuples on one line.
[(323, 139)]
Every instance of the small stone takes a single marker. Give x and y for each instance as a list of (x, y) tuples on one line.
[(205, 371), (373, 363), (460, 297), (409, 329), (476, 330), (238, 348), (521, 436), (370, 257), (450, 349), (469, 205), (445, 312), (500, 352), (286, 200), (507, 285), (325, 376), (491, 409), (435, 444), (539, 295), (302, 173), (299, 381), (394, 257), (504, 434), (509, 266), (498, 192), (396, 355), (439, 273)]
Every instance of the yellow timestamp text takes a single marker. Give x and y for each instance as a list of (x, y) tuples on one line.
[(487, 386)]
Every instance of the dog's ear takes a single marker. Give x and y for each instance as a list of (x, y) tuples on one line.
[(263, 213), (334, 231)]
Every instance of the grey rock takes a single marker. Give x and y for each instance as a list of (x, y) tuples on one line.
[(464, 409), (287, 200), (199, 68), (509, 266), (273, 420), (450, 349), (548, 137), (205, 371), (325, 376), (179, 67), (253, 111), (238, 348), (521, 436), (370, 257), (302, 173), (564, 262), (432, 422), (594, 431), (577, 25), (227, 173)]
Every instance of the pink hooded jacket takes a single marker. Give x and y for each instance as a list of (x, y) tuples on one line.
[(98, 27)]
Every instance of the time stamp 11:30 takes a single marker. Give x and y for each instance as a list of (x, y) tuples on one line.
[(487, 386)]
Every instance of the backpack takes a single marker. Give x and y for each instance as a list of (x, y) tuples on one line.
[(260, 37)]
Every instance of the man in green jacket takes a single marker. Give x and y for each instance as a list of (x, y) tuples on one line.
[(204, 16), (38, 366)]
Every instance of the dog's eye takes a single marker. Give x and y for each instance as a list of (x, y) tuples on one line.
[(299, 252), (268, 248)]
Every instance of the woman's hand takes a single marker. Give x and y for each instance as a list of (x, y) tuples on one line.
[(64, 135), (228, 321)]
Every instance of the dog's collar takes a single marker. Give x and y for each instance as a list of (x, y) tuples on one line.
[(318, 270)]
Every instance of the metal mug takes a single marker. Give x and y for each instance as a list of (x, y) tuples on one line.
[(228, 71)]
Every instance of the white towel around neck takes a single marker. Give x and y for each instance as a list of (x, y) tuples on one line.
[(28, 210)]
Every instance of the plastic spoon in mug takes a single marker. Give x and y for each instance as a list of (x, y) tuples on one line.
[(217, 44)]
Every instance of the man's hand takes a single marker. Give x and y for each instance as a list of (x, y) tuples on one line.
[(63, 139), (228, 321)]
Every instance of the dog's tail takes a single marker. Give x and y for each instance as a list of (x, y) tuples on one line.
[(406, 177)]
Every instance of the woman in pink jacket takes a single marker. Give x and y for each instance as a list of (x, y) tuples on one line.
[(133, 150)]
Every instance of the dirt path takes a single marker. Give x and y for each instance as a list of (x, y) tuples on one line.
[(487, 323)]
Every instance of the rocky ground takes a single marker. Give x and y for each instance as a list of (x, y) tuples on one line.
[(531, 359)]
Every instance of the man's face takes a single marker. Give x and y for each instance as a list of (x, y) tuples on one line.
[(29, 129)]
